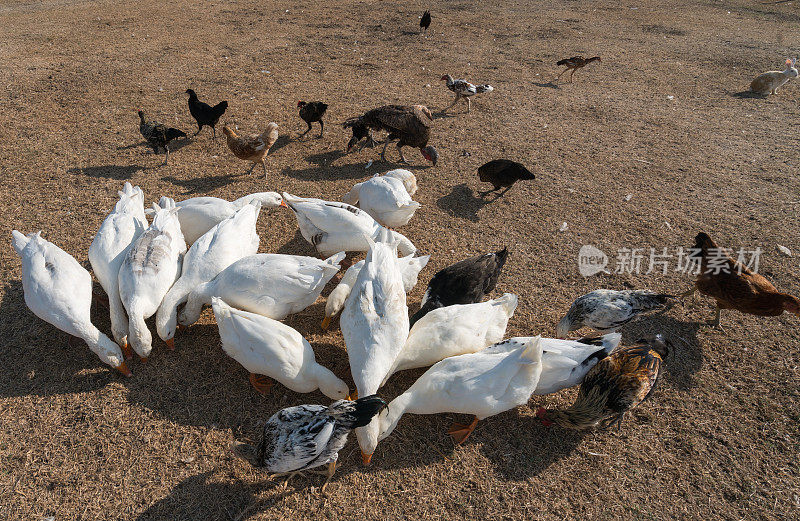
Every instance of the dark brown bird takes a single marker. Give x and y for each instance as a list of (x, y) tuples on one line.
[(575, 63), (312, 112), (409, 125), (465, 282), (205, 114), (617, 384), (502, 172), (158, 135), (734, 286), (425, 21)]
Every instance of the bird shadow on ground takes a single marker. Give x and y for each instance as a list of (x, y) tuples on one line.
[(204, 184), (443, 114), (197, 497), (687, 356), (118, 172), (548, 85), (297, 246), (462, 203), (133, 145), (322, 172), (325, 158), (281, 142), (748, 94)]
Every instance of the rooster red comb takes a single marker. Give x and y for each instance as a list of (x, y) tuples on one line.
[(301, 103), (541, 413)]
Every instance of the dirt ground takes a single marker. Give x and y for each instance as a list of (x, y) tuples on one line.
[(659, 119)]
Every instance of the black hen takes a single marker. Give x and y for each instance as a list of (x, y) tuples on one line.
[(311, 112), (425, 21), (205, 114), (158, 135), (502, 172), (465, 282)]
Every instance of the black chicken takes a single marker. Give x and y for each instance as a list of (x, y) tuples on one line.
[(465, 282), (158, 135), (311, 112), (502, 172), (205, 114), (409, 125), (425, 21)]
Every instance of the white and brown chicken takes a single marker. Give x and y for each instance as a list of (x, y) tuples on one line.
[(464, 89)]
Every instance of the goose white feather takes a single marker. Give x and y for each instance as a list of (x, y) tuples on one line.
[(385, 198)]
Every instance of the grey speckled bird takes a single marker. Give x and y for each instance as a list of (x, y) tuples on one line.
[(606, 310)]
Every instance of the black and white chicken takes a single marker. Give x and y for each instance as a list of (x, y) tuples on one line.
[(464, 89), (158, 135)]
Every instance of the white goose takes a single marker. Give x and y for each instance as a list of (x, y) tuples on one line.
[(116, 236), (199, 214), (268, 348), (374, 324), (221, 246), (482, 384), (385, 198), (455, 330), (148, 271), (331, 226), (270, 284), (59, 291), (564, 362), (407, 177), (409, 267)]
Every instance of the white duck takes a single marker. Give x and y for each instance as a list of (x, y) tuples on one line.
[(199, 214), (455, 330), (268, 348), (270, 284), (374, 324), (482, 384), (331, 226), (149, 270), (59, 291), (116, 236), (564, 362), (230, 240), (409, 267), (385, 198)]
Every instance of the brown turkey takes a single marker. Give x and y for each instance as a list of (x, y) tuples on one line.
[(502, 172), (409, 125)]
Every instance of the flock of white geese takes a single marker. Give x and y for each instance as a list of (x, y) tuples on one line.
[(146, 269)]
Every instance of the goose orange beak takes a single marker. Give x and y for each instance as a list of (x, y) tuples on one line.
[(366, 459), (283, 203), (353, 396), (326, 323), (170, 344), (127, 351), (144, 359), (122, 368)]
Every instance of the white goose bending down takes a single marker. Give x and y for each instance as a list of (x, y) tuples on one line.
[(407, 177), (221, 246), (482, 384), (268, 348), (270, 284), (199, 214), (149, 271), (331, 227), (385, 198), (374, 324), (564, 362), (59, 291), (116, 236), (455, 330), (409, 267)]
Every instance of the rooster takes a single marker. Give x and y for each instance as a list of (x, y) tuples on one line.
[(158, 135), (575, 63), (254, 147), (311, 112), (617, 384), (425, 21), (734, 286), (409, 125), (503, 172), (464, 89), (205, 114)]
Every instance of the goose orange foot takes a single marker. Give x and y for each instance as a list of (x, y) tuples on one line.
[(127, 351), (261, 383), (461, 432)]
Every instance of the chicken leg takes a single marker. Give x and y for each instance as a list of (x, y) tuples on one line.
[(307, 130), (458, 97), (166, 157), (321, 128), (261, 383), (469, 106), (461, 432), (562, 73)]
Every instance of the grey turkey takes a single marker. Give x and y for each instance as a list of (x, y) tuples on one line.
[(158, 135), (465, 282), (409, 125), (304, 437), (503, 172)]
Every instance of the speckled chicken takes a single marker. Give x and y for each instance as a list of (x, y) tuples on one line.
[(158, 135), (464, 89), (408, 125), (617, 384), (575, 63), (254, 147), (734, 286), (607, 310)]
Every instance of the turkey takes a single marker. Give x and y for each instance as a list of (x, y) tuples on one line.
[(408, 125)]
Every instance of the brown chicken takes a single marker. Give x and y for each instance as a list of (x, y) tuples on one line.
[(254, 147), (734, 286), (575, 63), (409, 125), (617, 384)]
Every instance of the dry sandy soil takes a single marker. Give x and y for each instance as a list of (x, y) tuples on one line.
[(660, 119)]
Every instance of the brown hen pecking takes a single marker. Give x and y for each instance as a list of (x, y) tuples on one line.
[(575, 63), (254, 147)]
